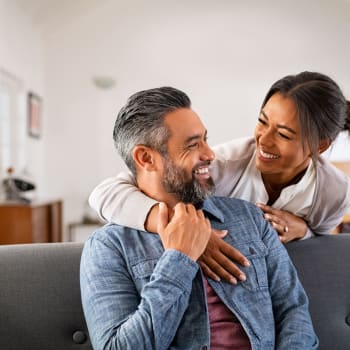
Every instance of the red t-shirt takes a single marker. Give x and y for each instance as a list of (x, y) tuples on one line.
[(226, 332)]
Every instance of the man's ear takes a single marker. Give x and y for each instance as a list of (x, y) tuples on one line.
[(144, 157), (324, 144)]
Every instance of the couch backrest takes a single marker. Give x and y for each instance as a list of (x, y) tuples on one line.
[(323, 265), (40, 306)]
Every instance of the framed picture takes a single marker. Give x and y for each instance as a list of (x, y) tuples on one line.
[(34, 115)]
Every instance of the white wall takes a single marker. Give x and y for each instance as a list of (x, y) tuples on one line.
[(22, 55), (225, 54)]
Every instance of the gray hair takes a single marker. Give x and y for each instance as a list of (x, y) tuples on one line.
[(141, 121)]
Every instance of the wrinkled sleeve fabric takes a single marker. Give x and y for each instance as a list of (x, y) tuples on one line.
[(118, 200), (326, 219), (117, 315)]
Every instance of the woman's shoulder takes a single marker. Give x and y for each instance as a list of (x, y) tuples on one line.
[(326, 172), (332, 197), (332, 183)]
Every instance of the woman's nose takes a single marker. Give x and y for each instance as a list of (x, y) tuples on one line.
[(265, 136)]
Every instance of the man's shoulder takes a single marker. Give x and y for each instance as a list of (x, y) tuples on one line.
[(113, 234), (111, 228), (121, 242)]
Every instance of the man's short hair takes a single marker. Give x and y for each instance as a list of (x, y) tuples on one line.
[(141, 121)]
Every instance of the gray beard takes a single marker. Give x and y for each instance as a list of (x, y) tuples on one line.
[(174, 181)]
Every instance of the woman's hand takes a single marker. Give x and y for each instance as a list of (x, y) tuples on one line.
[(216, 260), (288, 226)]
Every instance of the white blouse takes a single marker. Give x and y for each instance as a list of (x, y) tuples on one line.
[(296, 198)]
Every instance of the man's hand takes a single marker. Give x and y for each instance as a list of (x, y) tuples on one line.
[(288, 226), (216, 260), (188, 231)]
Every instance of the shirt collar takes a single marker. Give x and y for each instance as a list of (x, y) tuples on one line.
[(210, 208)]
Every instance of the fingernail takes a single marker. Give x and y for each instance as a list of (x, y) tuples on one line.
[(246, 263), (242, 277), (232, 280)]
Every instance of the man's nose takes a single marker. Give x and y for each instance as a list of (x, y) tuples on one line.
[(207, 153)]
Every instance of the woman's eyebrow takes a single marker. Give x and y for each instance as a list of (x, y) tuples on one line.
[(280, 126)]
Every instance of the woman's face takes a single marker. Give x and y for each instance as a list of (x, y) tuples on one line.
[(280, 152)]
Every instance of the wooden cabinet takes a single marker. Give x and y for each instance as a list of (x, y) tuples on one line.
[(37, 222)]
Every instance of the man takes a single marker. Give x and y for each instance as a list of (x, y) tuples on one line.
[(144, 291)]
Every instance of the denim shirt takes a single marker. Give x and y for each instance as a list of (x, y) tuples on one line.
[(135, 295)]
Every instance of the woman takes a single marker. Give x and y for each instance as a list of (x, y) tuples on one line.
[(301, 193)]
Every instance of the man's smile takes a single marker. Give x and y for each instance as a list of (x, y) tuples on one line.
[(202, 172)]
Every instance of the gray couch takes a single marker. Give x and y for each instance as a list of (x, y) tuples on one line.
[(40, 305)]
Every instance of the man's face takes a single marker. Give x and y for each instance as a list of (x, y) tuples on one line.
[(186, 167)]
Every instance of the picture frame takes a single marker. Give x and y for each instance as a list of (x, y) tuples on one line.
[(34, 115)]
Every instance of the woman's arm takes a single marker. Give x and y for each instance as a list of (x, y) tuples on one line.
[(291, 227), (118, 199)]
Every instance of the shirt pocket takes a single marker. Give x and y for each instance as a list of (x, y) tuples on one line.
[(255, 252)]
